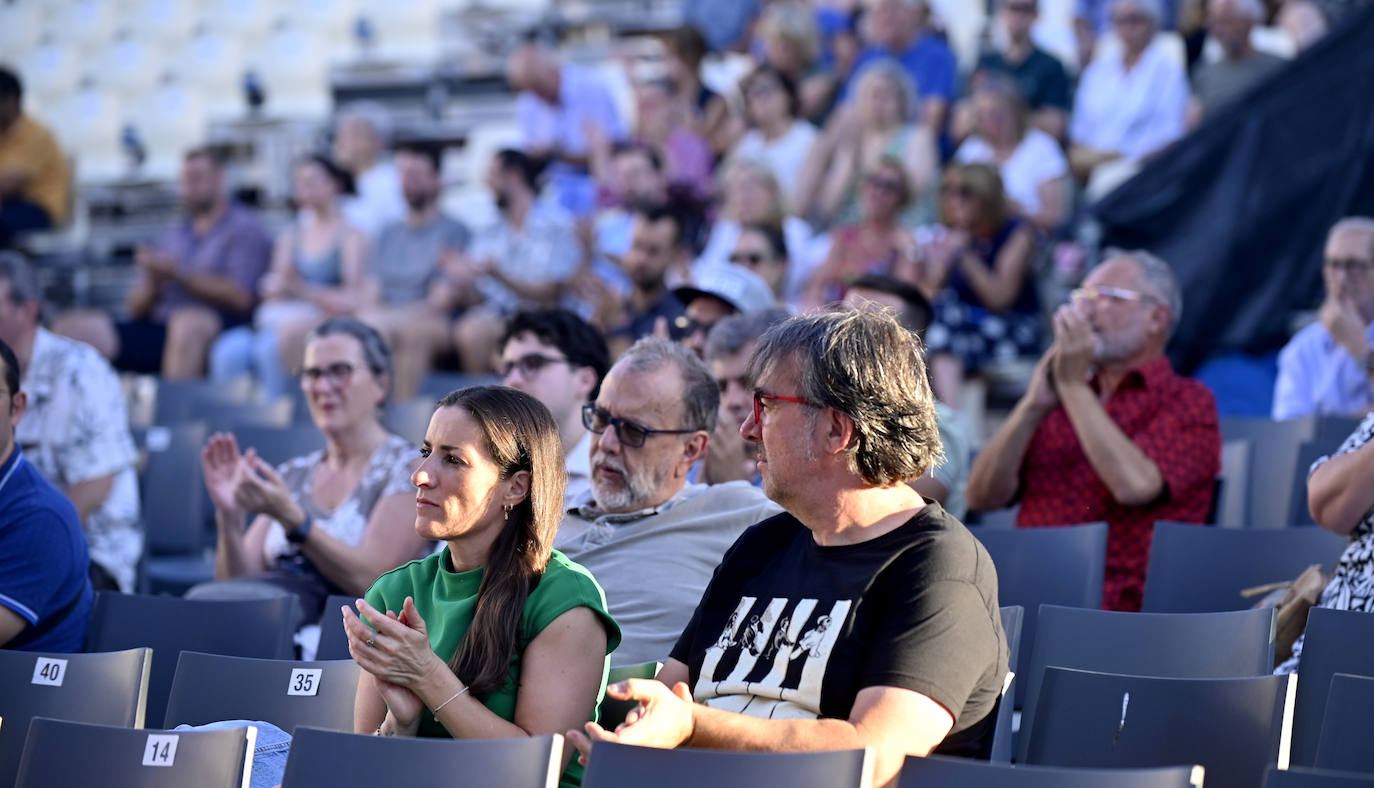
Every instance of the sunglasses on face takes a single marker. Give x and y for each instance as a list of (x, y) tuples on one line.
[(629, 433), (889, 185), (529, 364), (339, 372)]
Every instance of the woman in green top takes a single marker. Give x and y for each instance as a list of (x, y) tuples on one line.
[(497, 635)]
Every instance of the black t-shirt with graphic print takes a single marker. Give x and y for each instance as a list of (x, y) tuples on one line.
[(790, 629)]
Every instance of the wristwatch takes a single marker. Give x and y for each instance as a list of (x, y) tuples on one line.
[(299, 535)]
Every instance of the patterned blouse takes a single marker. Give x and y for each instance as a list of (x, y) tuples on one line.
[(1352, 584)]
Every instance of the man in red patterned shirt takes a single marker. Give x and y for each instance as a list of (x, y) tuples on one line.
[(1107, 430)]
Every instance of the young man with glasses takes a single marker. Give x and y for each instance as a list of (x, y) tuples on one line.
[(649, 536), (1107, 430), (1327, 369), (559, 359)]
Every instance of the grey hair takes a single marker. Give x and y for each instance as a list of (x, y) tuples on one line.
[(376, 353), (1157, 277), (700, 393), (795, 24), (731, 334), (23, 279), (868, 367), (1251, 8), (372, 113), (1359, 224), (1151, 8), (889, 69)]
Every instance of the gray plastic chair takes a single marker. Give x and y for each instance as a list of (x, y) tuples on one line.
[(1337, 641), (943, 772), (624, 766), (109, 689), (1197, 569), (172, 490), (209, 687), (1232, 727), (1003, 737), (72, 753), (333, 639), (1273, 452), (1165, 645), (279, 444), (169, 625), (1316, 778), (1055, 566), (1344, 741), (351, 760)]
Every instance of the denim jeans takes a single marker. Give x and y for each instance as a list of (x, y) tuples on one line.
[(269, 752)]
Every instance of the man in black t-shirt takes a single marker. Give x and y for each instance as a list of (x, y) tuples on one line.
[(862, 616)]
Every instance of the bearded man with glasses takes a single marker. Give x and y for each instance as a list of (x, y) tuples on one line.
[(651, 538), (1107, 430), (1327, 369)]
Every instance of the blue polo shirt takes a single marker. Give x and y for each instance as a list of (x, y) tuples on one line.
[(44, 565), (928, 61)]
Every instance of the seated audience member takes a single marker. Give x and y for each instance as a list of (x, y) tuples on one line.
[(319, 270), (791, 42), (945, 481), (75, 429), (634, 177), (360, 142), (762, 248), (410, 260), (663, 123), (1215, 85), (1132, 102), (1327, 368), (333, 520), (200, 278), (1095, 18), (875, 244), (34, 182), (528, 255), (978, 265), (715, 293), (1304, 22), (1042, 81), (498, 635), (881, 124), (559, 359), (898, 30), (708, 111), (729, 345), (776, 137), (657, 247), (557, 106), (1033, 168), (863, 615), (652, 422), (1340, 493), (751, 195), (1107, 430), (45, 594)]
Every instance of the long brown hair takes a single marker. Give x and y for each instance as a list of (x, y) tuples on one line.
[(521, 435)]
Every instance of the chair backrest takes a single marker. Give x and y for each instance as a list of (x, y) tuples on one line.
[(1195, 569), (286, 693), (1000, 749), (179, 401), (1273, 450), (320, 757), (1235, 476), (1336, 641), (1315, 778), (279, 444), (1344, 740), (612, 712), (240, 628), (109, 689), (333, 639), (1233, 727), (409, 419), (1055, 566), (1308, 453), (938, 771), (1164, 645), (74, 753), (172, 489), (615, 765), (1330, 432)]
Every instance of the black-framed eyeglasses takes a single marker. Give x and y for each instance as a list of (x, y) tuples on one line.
[(627, 432), (528, 364), (1350, 265), (760, 396), (747, 258), (340, 372)]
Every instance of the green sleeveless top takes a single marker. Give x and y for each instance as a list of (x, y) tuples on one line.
[(446, 600)]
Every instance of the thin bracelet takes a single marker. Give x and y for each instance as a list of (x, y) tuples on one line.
[(435, 712)]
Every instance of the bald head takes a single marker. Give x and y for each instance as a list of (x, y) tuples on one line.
[(1230, 23)]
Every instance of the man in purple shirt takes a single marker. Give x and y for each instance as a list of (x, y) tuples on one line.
[(200, 278)]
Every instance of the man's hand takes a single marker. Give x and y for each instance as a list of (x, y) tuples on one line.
[(1074, 341), (1342, 321), (662, 719), (1041, 393), (159, 266)]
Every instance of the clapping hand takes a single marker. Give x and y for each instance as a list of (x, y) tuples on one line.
[(1074, 341), (662, 719)]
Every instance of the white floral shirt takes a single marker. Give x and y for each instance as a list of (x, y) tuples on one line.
[(76, 428)]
